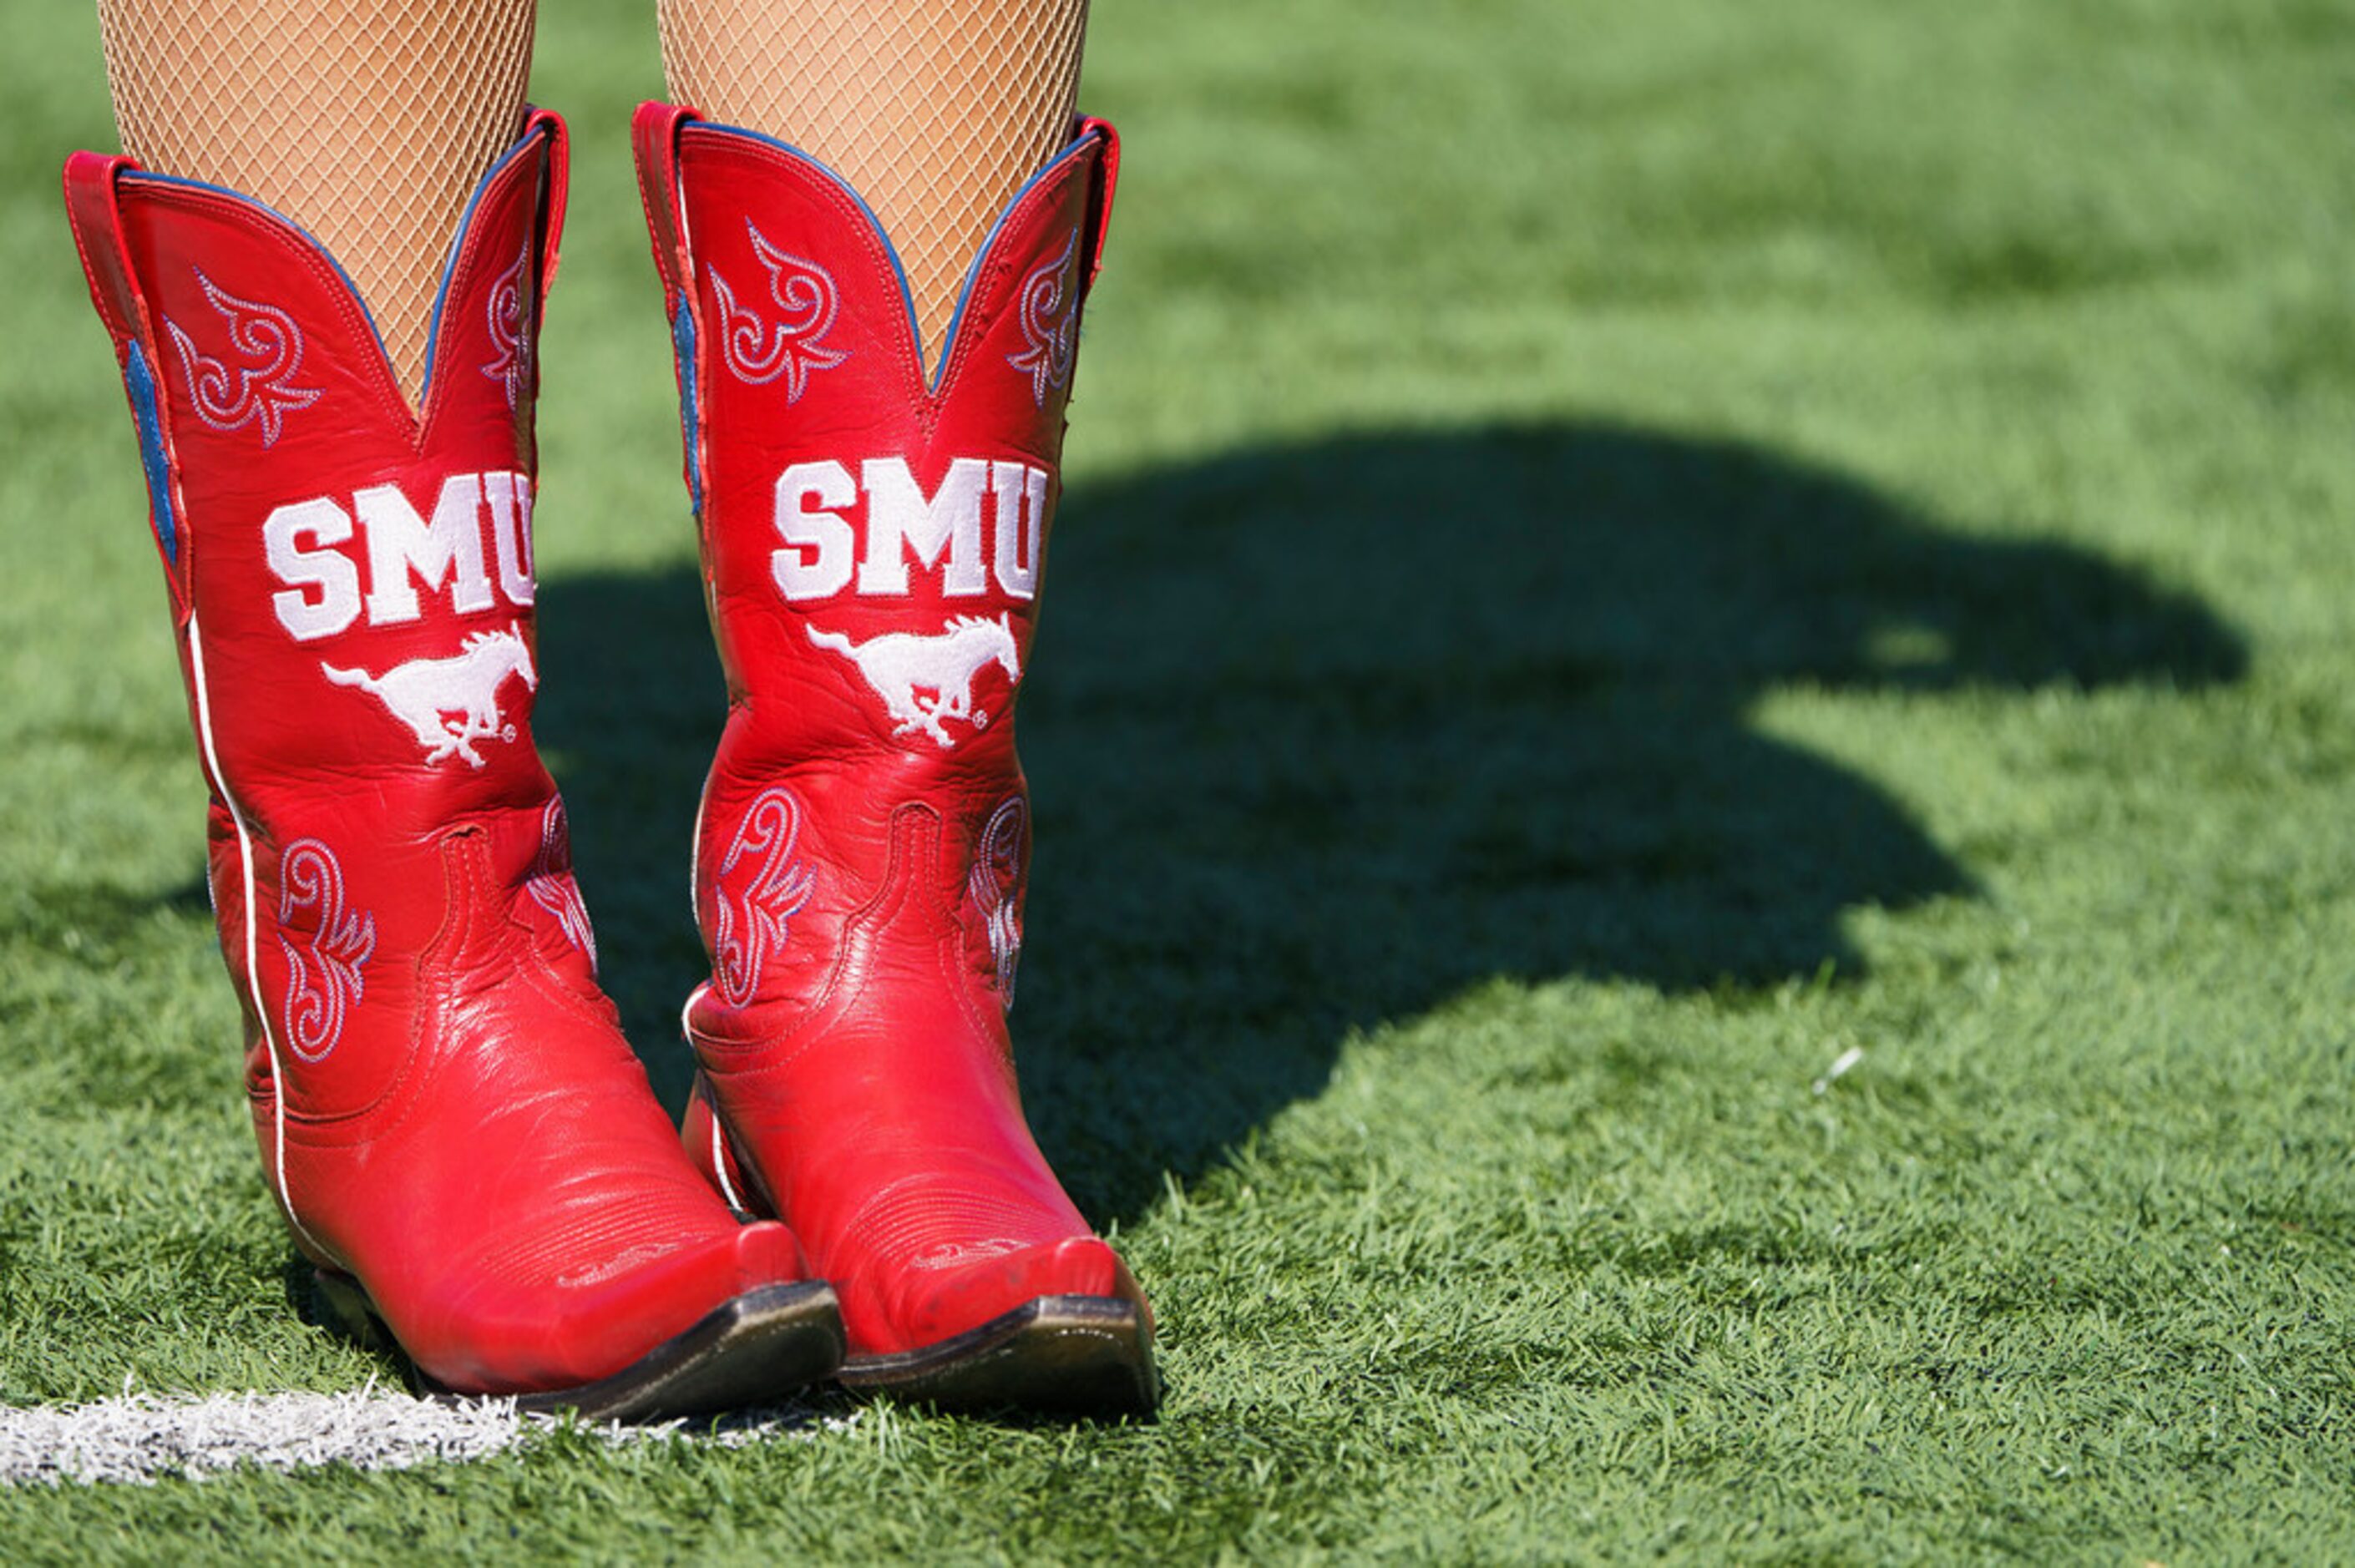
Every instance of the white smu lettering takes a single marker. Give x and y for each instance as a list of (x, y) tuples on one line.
[(303, 542), (942, 532)]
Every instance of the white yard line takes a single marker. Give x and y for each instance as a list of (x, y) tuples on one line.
[(147, 1438)]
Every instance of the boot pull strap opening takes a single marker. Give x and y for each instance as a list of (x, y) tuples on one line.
[(553, 186), (98, 235), (654, 130), (1098, 219), (94, 211)]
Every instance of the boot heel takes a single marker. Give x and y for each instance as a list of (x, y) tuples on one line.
[(764, 1345), (1073, 1355), (708, 1147), (347, 1306)]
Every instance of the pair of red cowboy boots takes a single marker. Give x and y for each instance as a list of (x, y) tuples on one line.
[(460, 1138)]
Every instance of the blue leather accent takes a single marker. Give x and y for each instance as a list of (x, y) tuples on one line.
[(1079, 144), (141, 380), (449, 263), (682, 341)]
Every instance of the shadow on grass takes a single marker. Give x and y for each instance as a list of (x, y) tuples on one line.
[(99, 923), (1320, 735)]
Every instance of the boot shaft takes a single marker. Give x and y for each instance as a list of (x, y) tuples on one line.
[(315, 530), (874, 537), (842, 492), (352, 592)]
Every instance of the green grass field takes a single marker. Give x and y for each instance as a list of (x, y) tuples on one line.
[(1613, 554)]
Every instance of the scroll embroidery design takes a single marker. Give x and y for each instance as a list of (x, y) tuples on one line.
[(326, 949), (994, 884), (1050, 323), (261, 389), (552, 886), (758, 889), (510, 330), (759, 350)]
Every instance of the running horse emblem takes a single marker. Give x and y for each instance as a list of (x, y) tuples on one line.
[(449, 703), (902, 667)]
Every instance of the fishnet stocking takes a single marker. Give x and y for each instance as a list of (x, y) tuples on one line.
[(367, 122), (935, 111)]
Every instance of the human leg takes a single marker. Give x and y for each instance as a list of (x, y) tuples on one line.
[(874, 534), (459, 1137), (935, 113), (366, 121)]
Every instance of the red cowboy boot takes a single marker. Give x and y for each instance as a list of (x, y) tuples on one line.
[(460, 1138), (872, 545)]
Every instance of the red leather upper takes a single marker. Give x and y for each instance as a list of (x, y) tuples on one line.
[(873, 542), (444, 1103)]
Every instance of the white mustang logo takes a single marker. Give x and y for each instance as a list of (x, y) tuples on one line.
[(901, 667), (420, 692)]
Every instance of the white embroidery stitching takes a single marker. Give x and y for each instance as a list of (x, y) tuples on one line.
[(996, 884), (552, 885), (229, 399), (1051, 322), (323, 976), (901, 665), (421, 691), (248, 917), (510, 330), (759, 350), (749, 925)]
